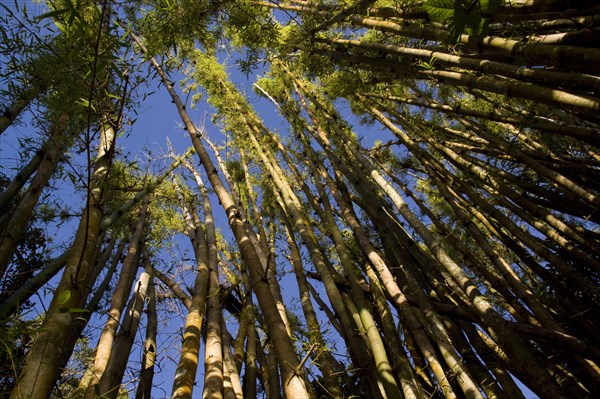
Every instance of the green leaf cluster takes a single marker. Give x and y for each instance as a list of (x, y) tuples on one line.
[(470, 16)]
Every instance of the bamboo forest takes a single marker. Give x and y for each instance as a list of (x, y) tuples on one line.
[(299, 199)]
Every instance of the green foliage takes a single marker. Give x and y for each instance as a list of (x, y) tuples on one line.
[(433, 198), (233, 111), (440, 10), (235, 170), (252, 29), (176, 26), (83, 357), (164, 219), (15, 341), (470, 16), (124, 180), (170, 25), (19, 52)]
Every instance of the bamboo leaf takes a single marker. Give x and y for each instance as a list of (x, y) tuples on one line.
[(72, 178), (53, 14), (488, 7), (64, 297), (72, 310), (439, 10)]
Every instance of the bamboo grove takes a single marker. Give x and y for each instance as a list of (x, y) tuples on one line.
[(405, 205)]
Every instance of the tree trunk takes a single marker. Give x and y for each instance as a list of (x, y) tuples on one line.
[(294, 385), (54, 341), (325, 360), (185, 374), (23, 99), (119, 297), (18, 217), (144, 387), (230, 369), (110, 383), (213, 353)]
